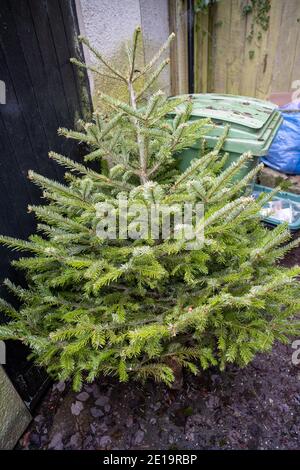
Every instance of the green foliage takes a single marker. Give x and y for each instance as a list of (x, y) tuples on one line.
[(260, 12), (132, 308), (203, 5)]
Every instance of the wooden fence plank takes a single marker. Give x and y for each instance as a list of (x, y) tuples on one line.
[(236, 47), (268, 51), (286, 46), (21, 83), (221, 38), (202, 32), (257, 66), (295, 69), (179, 49)]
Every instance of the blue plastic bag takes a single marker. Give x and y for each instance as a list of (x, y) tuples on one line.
[(284, 153)]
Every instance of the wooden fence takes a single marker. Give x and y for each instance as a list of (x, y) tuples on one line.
[(231, 56)]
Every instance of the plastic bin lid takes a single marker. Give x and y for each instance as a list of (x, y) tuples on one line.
[(253, 123), (241, 110)]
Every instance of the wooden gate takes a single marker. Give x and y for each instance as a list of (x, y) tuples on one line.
[(43, 92)]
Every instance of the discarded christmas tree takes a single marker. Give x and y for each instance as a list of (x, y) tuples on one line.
[(134, 307)]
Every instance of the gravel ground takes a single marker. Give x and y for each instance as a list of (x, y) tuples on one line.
[(257, 407), (253, 408)]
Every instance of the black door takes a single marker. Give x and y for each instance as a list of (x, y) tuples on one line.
[(43, 92)]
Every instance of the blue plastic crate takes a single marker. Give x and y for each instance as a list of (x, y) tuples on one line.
[(284, 207)]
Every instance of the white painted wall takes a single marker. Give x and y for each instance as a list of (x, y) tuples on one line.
[(155, 25), (110, 23)]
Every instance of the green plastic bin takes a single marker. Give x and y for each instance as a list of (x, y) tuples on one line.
[(284, 207), (253, 126)]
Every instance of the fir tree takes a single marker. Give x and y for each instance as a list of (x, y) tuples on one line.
[(132, 308)]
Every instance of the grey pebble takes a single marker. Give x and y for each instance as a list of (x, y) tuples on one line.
[(76, 408), (75, 441), (105, 441), (56, 442), (60, 386), (87, 441), (39, 419), (83, 396), (129, 421), (96, 412), (139, 437), (102, 400), (96, 391)]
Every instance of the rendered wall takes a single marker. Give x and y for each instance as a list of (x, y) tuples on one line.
[(109, 25)]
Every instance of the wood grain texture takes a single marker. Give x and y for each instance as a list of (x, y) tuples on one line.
[(179, 47), (202, 41), (267, 63)]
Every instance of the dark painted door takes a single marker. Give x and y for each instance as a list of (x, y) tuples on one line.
[(43, 92)]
